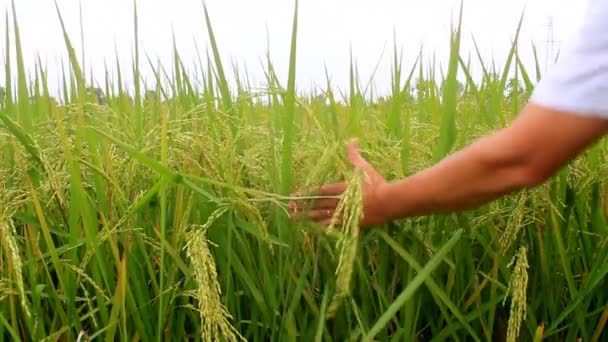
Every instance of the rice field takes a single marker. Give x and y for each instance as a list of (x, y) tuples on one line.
[(161, 213)]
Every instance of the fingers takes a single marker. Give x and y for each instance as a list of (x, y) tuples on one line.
[(328, 190), (332, 189), (329, 221), (357, 160), (318, 210), (320, 214), (325, 217), (335, 189), (293, 209), (326, 203)]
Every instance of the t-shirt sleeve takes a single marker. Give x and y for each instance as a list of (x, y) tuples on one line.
[(578, 82)]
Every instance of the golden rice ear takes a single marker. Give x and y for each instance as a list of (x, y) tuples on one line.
[(349, 209), (517, 221), (7, 233), (215, 318), (518, 286)]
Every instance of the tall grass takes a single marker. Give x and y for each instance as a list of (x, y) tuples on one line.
[(161, 215)]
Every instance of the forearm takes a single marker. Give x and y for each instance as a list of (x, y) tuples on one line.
[(482, 172), (539, 142)]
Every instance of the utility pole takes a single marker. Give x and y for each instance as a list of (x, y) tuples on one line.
[(549, 44)]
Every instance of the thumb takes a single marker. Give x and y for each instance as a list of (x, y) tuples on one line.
[(352, 150)]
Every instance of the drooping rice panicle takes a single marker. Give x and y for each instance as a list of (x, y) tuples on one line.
[(348, 215), (215, 319), (8, 234), (518, 289)]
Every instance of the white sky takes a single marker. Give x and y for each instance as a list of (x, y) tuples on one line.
[(327, 28)]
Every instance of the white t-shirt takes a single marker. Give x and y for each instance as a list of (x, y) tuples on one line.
[(579, 80)]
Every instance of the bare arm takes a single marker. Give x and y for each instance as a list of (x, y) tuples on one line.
[(523, 155), (534, 147)]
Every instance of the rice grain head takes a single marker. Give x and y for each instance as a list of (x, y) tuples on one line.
[(82, 274), (215, 319), (514, 225), (350, 210), (517, 289), (6, 289), (8, 233)]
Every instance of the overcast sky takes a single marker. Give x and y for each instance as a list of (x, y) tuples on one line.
[(327, 29)]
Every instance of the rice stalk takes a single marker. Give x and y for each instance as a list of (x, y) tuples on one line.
[(87, 296)]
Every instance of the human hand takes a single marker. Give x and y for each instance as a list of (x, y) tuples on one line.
[(374, 195)]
